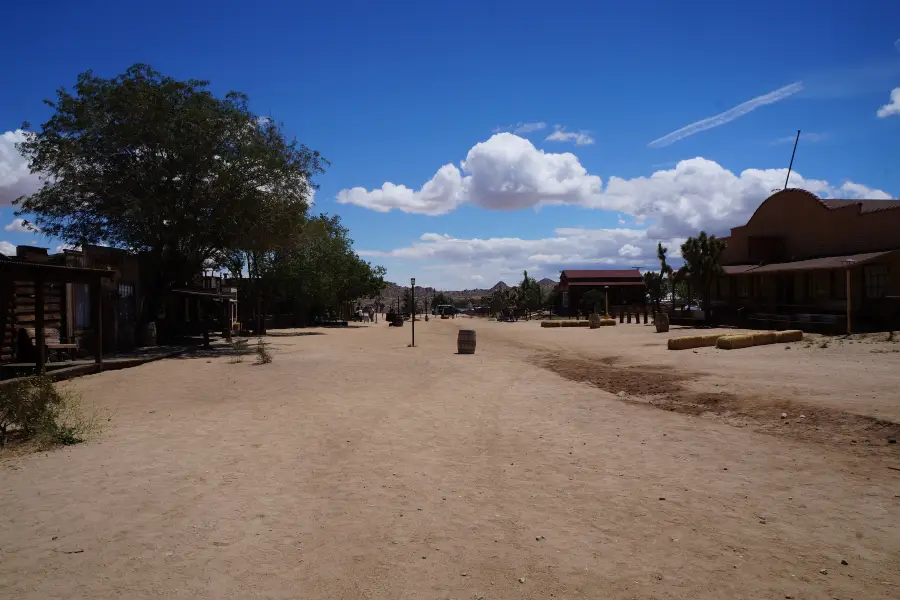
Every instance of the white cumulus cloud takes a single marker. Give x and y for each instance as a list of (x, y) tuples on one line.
[(450, 259), (15, 178), (7, 249), (19, 226), (728, 116), (507, 172), (892, 107)]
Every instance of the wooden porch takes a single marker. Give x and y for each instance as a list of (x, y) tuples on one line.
[(40, 275)]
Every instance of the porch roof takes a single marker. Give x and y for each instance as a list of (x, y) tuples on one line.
[(20, 270), (813, 264)]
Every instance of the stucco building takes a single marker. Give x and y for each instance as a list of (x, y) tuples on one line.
[(796, 258)]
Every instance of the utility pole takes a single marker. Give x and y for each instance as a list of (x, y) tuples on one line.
[(791, 166)]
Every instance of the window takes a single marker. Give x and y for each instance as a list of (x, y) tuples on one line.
[(82, 305), (565, 299), (743, 287), (126, 303), (817, 285), (876, 281), (839, 284)]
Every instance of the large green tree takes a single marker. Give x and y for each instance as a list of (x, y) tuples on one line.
[(146, 162), (701, 256), (439, 299), (318, 272)]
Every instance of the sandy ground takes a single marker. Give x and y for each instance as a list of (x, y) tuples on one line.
[(356, 467)]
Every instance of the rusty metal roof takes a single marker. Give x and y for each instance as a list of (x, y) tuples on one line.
[(604, 283), (603, 274)]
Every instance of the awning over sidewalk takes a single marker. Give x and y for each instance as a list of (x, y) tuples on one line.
[(813, 264)]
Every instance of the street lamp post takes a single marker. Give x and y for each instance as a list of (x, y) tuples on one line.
[(849, 263), (412, 286), (606, 299)]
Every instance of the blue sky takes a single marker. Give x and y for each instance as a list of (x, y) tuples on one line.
[(401, 93)]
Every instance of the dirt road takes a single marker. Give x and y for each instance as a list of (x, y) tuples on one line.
[(355, 467)]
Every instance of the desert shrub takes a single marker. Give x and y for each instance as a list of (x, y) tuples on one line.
[(239, 348), (263, 354), (37, 409)]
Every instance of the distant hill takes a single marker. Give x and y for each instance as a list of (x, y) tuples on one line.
[(392, 291)]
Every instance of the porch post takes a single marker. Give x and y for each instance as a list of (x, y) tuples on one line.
[(848, 263), (40, 347), (849, 303), (97, 314)]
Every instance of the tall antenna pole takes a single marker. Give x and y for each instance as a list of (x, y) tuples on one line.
[(791, 166)]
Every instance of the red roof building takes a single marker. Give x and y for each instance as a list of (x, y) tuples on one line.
[(625, 287)]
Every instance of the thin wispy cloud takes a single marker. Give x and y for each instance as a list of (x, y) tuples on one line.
[(804, 137), (579, 138), (522, 127), (529, 127), (728, 116)]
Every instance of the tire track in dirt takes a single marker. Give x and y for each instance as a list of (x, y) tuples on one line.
[(666, 389)]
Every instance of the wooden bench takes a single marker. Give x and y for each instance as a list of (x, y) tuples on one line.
[(53, 342)]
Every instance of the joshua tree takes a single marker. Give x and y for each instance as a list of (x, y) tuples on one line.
[(701, 265), (665, 270)]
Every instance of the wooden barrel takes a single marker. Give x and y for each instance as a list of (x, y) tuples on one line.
[(594, 320), (465, 341), (661, 320)]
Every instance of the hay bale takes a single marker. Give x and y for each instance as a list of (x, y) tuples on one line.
[(763, 338), (607, 322), (551, 324), (735, 342), (791, 335), (709, 340), (686, 342)]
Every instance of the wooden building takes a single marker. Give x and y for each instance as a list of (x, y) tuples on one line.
[(33, 309), (625, 287), (801, 261)]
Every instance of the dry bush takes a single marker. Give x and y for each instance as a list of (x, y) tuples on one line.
[(263, 354), (240, 347), (39, 410)]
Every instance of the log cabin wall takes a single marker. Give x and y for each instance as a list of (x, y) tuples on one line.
[(17, 308)]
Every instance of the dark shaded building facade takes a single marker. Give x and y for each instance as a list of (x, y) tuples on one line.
[(800, 259)]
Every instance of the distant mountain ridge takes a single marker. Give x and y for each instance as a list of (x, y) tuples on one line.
[(392, 291)]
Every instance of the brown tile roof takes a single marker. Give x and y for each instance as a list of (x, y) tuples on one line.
[(603, 274), (865, 206)]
